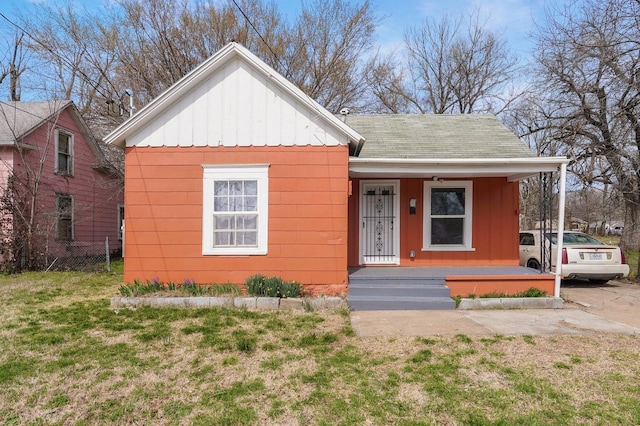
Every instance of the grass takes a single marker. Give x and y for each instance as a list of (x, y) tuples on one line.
[(67, 358), (631, 256)]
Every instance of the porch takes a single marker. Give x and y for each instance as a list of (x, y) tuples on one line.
[(432, 287)]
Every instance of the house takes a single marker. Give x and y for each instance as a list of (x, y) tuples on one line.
[(61, 198), (234, 171)]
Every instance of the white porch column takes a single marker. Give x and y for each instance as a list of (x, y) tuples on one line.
[(560, 230)]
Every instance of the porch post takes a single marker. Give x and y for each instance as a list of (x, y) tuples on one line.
[(560, 230)]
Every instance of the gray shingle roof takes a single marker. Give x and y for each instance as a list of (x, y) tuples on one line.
[(424, 136), (19, 118)]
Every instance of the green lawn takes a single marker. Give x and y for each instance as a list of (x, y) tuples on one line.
[(68, 359), (630, 255)]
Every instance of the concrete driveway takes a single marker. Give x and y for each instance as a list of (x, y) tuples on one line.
[(588, 309), (615, 301)]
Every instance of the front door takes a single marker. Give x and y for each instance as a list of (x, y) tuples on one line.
[(380, 226)]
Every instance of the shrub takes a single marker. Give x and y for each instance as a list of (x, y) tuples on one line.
[(259, 285), (255, 285)]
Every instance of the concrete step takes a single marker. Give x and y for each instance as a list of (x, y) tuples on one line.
[(386, 303), (396, 289), (384, 281)]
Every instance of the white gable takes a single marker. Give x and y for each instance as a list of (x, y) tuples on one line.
[(233, 99)]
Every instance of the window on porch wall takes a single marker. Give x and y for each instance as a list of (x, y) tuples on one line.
[(447, 216)]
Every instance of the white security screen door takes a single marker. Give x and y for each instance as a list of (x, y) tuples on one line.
[(380, 226)]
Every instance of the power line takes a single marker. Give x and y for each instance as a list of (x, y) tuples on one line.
[(66, 62), (258, 33)]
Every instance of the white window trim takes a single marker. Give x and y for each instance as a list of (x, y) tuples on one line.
[(258, 172), (71, 152), (468, 208)]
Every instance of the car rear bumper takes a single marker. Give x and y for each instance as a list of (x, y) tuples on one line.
[(595, 272)]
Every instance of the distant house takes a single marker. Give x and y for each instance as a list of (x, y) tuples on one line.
[(234, 171), (60, 196)]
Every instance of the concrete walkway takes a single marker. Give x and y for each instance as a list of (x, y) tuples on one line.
[(588, 309)]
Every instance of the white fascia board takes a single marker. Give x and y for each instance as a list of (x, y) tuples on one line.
[(512, 168), (203, 71)]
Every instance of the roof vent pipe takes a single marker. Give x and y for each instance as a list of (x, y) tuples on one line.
[(344, 112)]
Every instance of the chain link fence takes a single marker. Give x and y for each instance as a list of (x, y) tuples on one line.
[(83, 256)]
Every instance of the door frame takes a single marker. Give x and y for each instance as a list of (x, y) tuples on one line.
[(395, 183)]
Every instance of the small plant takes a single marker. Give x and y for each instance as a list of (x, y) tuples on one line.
[(531, 292), (255, 285), (259, 285), (188, 287)]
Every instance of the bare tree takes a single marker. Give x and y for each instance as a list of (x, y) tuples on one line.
[(452, 66), (325, 52), (14, 65), (589, 56)]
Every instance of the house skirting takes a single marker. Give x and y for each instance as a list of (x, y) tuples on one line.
[(465, 285)]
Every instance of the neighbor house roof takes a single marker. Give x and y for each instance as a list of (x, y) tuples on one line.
[(18, 119), (442, 146), (436, 136)]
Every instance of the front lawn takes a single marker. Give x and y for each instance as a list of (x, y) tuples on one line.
[(67, 358)]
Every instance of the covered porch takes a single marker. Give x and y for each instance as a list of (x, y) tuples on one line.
[(432, 287)]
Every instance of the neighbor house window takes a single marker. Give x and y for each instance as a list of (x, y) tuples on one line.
[(447, 215), (235, 207), (120, 221), (64, 153), (64, 217)]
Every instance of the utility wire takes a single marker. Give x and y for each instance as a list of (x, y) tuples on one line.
[(70, 65), (259, 35)]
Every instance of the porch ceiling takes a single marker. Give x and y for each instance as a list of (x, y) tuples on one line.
[(514, 169)]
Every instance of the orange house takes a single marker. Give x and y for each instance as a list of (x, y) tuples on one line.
[(234, 171)]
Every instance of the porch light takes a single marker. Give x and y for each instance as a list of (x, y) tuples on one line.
[(412, 206)]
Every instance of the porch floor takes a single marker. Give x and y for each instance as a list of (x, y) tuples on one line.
[(438, 271), (431, 287)]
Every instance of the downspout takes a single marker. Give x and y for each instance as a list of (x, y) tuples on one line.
[(560, 230)]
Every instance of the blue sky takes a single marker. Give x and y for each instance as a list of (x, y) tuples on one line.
[(512, 18)]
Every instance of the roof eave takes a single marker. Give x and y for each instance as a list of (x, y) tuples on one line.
[(514, 169)]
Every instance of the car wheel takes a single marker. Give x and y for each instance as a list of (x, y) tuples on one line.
[(598, 281), (533, 264)]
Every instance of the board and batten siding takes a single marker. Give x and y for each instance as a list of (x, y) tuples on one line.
[(237, 106), (307, 236), (494, 226)]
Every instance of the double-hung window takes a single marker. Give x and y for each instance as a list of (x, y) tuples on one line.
[(447, 215), (64, 217), (235, 203), (64, 153)]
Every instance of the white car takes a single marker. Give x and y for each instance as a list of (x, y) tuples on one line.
[(583, 257)]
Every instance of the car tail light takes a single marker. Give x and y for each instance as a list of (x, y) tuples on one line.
[(565, 257), (622, 258)]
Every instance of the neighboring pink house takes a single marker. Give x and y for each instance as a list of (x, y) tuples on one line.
[(51, 164)]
